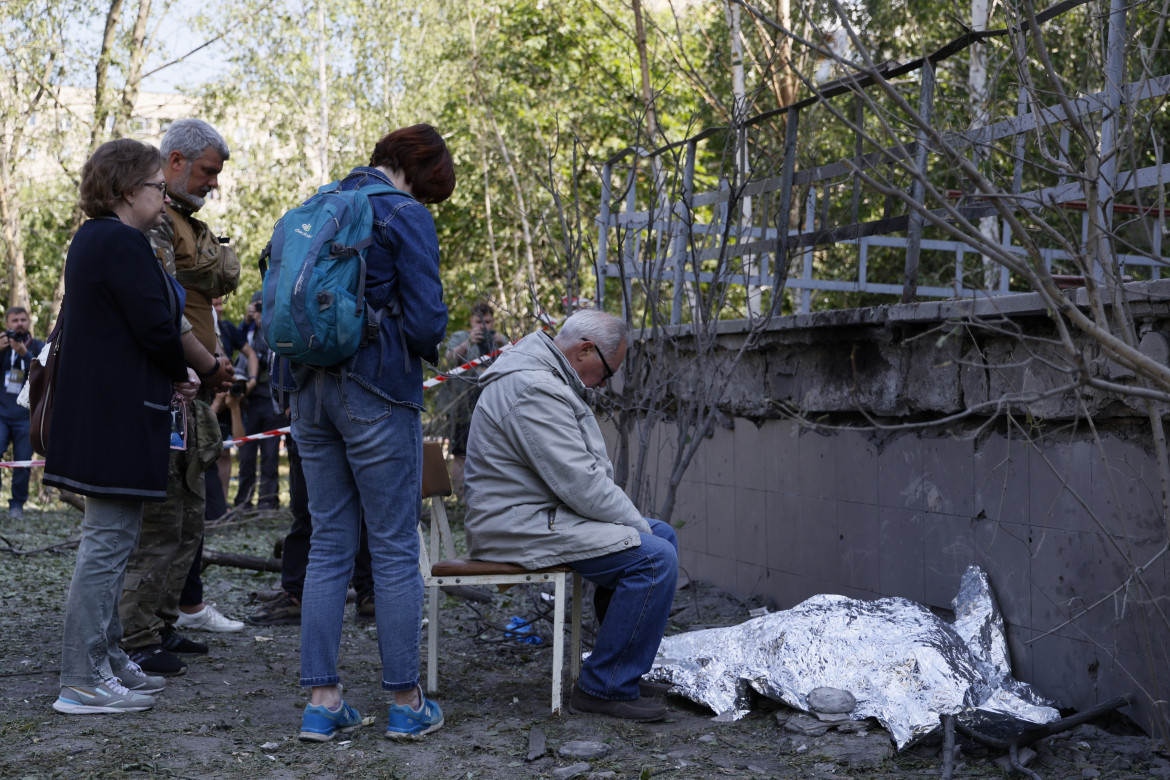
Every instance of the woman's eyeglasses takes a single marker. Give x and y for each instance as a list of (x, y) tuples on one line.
[(161, 186)]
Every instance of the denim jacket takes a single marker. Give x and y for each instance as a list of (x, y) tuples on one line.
[(402, 283)]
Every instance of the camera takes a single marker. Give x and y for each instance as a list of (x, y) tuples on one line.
[(239, 384), (488, 344), (259, 306), (18, 336)]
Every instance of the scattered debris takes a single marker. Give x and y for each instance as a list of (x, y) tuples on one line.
[(831, 701), (574, 770), (589, 751), (1025, 755), (806, 726), (536, 744)]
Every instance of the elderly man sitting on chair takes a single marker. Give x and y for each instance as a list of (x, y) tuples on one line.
[(540, 492)]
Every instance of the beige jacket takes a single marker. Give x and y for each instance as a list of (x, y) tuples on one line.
[(539, 483)]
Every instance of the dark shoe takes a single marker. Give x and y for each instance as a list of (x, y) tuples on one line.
[(177, 643), (653, 689), (156, 661), (640, 709), (365, 608), (283, 610)]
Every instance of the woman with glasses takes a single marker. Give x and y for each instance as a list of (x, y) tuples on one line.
[(120, 364)]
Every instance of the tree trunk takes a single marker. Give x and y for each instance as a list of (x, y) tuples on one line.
[(644, 64), (521, 206), (138, 50), (101, 77), (322, 94), (9, 199)]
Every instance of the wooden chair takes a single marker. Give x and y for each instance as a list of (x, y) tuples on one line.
[(452, 570)]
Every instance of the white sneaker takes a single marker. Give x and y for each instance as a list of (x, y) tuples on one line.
[(110, 696), (209, 619)]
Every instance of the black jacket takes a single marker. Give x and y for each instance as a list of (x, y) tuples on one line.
[(120, 353)]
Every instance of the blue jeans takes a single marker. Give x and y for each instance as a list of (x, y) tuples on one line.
[(643, 580), (90, 653), (363, 452), (15, 430)]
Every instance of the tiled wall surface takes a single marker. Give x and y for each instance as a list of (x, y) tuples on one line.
[(1060, 527)]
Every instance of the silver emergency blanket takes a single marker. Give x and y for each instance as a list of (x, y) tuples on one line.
[(905, 666)]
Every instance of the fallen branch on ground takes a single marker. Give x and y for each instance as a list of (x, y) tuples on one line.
[(250, 562)]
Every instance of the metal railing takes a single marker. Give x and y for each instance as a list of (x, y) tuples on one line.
[(681, 240)]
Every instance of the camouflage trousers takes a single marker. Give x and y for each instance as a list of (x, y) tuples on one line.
[(171, 532)]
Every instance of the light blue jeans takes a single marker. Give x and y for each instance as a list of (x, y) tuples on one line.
[(643, 579), (90, 653), (363, 451)]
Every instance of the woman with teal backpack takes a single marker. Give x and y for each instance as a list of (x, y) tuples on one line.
[(358, 427)]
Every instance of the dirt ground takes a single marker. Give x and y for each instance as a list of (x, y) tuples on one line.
[(236, 712)]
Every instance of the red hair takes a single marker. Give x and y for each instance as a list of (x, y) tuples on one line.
[(420, 154)]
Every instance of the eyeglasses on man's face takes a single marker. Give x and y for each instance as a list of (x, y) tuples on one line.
[(604, 363)]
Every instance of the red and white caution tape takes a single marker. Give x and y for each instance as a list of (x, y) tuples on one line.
[(256, 436), (21, 464), (432, 382), (437, 380)]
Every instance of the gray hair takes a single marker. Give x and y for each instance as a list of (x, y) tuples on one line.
[(190, 138), (605, 330)]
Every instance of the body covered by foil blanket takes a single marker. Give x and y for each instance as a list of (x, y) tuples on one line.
[(905, 666)]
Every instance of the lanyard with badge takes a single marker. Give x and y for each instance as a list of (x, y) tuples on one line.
[(14, 379)]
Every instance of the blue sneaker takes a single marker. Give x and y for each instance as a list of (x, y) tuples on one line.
[(407, 723), (320, 725)]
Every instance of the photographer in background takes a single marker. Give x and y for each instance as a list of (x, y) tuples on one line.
[(459, 395), (18, 349), (260, 414)]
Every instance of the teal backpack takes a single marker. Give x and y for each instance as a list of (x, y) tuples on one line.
[(314, 270)]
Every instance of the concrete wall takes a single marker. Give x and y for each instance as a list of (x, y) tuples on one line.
[(1060, 504)]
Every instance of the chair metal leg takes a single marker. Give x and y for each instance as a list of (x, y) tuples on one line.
[(433, 639), (575, 631), (558, 660)]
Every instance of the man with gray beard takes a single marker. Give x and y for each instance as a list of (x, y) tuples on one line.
[(172, 531)]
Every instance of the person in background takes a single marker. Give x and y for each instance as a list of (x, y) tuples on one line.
[(18, 349), (119, 301), (260, 414), (231, 341), (359, 430), (229, 334), (460, 393)]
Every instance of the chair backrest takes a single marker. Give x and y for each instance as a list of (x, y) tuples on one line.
[(435, 479), (436, 483)]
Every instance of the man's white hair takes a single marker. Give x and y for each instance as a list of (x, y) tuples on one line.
[(191, 137), (605, 330)]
